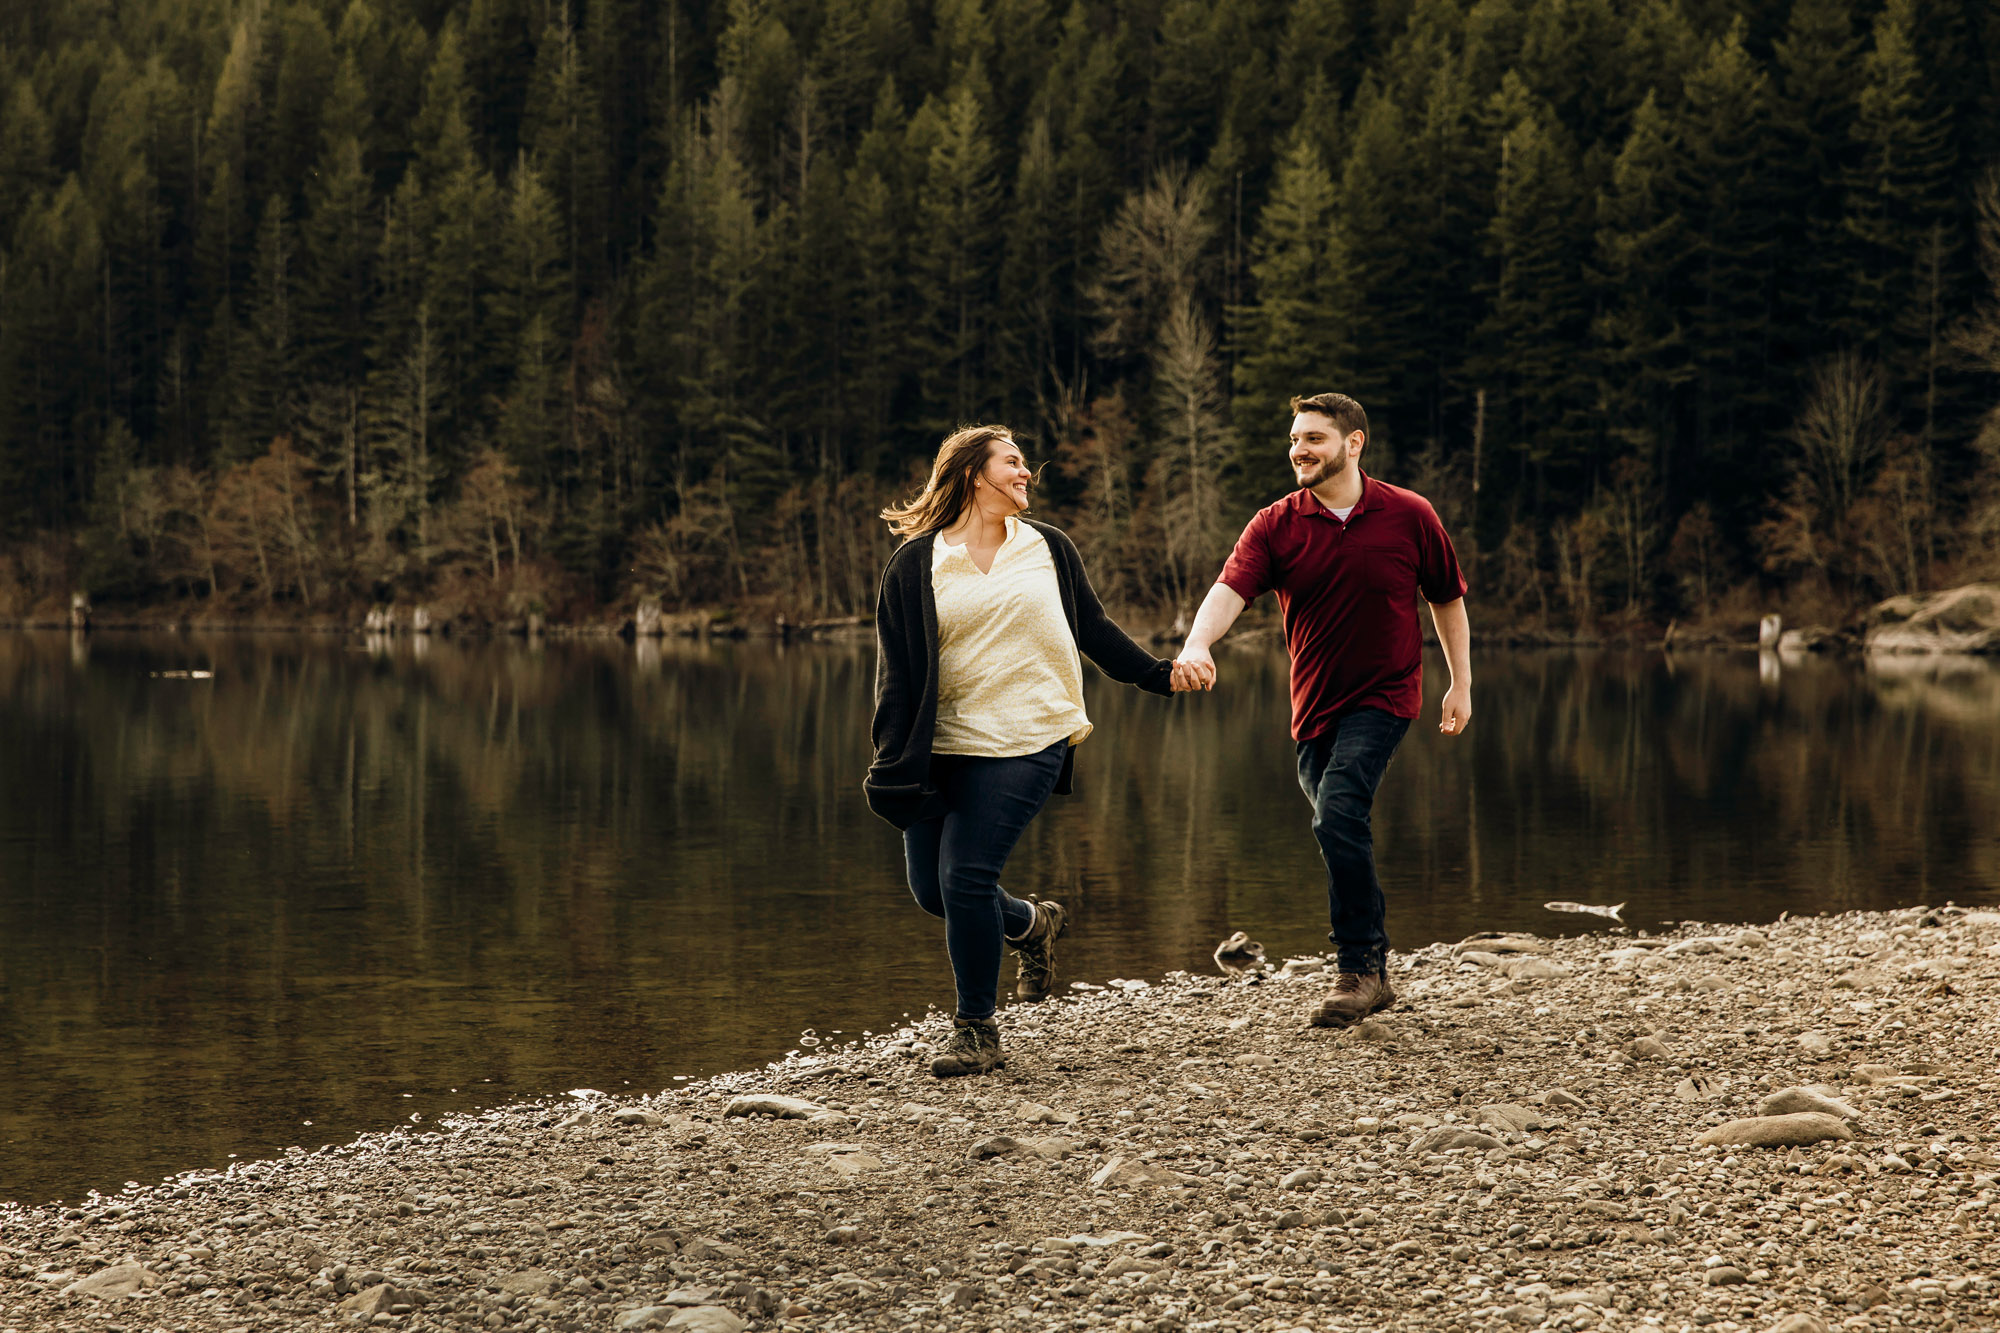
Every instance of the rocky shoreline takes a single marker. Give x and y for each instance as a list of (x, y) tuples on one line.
[(1552, 1133)]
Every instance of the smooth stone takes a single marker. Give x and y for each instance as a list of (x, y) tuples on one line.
[(993, 1145), (1510, 1117), (530, 1282), (1455, 1136), (1124, 1264), (1535, 969), (1498, 944), (1053, 1147), (1563, 1097), (117, 1281), (706, 1247), (684, 1296), (772, 1104), (1647, 1048), (638, 1115), (1126, 1173), (1255, 1061), (1778, 1131), (1815, 1043), (1724, 1275), (373, 1301), (1302, 1179), (646, 1316), (1800, 1323), (707, 1319), (1034, 1113), (1374, 1030), (1790, 1101), (851, 1164)]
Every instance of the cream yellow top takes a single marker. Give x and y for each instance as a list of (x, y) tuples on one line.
[(1010, 682)]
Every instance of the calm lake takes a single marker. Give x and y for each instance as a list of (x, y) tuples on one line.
[(338, 886)]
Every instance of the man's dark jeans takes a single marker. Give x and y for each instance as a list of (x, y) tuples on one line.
[(954, 861), (1339, 771)]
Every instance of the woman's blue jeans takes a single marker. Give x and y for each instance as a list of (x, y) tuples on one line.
[(1340, 770), (955, 861)]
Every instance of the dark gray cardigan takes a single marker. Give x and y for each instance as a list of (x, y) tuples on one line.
[(906, 656)]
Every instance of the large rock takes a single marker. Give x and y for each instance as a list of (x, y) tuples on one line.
[(1457, 1136), (1799, 1323), (529, 1282), (114, 1282), (1795, 1101), (772, 1104), (1778, 1131), (1957, 620), (707, 1319), (1127, 1173), (379, 1299)]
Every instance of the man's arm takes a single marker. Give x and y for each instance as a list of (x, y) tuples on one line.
[(1195, 668), (1455, 637)]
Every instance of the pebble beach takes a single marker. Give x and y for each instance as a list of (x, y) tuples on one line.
[(1789, 1126)]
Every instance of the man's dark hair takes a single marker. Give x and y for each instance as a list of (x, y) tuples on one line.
[(1344, 412)]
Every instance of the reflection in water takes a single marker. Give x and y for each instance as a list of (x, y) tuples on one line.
[(355, 882)]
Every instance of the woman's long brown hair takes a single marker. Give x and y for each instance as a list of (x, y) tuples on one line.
[(960, 460)]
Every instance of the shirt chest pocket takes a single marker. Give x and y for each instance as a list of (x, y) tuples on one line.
[(1388, 570)]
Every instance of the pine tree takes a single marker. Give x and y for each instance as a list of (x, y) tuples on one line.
[(956, 258), (1541, 305), (27, 155), (302, 83), (564, 130), (1727, 139), (1901, 217), (338, 240), (499, 51), (261, 406), (1642, 258), (50, 369), (1033, 274), (1296, 335), (1812, 115)]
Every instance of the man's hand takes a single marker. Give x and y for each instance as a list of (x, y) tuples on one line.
[(1194, 669), (1456, 715)]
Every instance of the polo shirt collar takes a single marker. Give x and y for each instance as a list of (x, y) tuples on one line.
[(1312, 504)]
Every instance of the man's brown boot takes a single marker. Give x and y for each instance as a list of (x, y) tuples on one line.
[(1355, 996)]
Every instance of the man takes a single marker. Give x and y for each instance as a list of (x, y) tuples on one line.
[(1348, 556)]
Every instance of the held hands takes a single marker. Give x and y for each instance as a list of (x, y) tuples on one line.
[(1456, 715), (1194, 669)]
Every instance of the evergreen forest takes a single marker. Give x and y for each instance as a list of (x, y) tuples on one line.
[(1673, 308)]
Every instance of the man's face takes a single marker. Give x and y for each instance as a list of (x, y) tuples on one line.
[(1319, 453)]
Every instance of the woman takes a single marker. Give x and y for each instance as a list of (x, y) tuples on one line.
[(978, 709)]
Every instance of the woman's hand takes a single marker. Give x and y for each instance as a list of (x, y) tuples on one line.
[(1194, 669)]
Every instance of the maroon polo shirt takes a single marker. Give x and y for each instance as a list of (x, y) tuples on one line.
[(1349, 593)]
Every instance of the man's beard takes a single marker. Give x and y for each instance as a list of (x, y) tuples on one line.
[(1324, 473)]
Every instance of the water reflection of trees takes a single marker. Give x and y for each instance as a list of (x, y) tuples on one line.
[(330, 876)]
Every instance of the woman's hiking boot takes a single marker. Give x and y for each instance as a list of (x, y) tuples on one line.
[(974, 1048), (1037, 950), (1355, 996)]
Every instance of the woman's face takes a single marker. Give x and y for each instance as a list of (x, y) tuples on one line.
[(1005, 477)]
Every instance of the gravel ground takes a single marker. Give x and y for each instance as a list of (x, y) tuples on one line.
[(1515, 1145)]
